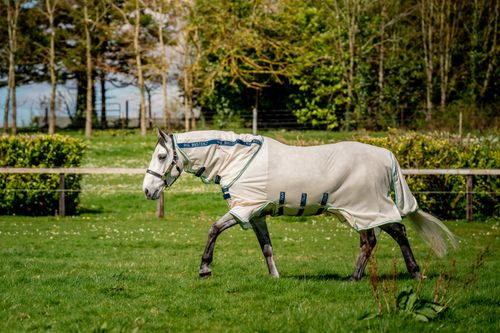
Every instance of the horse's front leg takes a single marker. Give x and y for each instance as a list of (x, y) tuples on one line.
[(259, 226), (367, 244), (225, 222)]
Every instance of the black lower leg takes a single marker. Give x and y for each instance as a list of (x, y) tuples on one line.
[(398, 232), (259, 226)]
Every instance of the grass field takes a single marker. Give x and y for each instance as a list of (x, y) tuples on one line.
[(117, 268)]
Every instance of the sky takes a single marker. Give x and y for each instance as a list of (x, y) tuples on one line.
[(32, 99)]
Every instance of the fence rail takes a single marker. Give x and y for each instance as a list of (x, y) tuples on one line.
[(460, 172), (469, 173), (82, 171)]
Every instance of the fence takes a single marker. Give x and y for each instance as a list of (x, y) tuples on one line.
[(469, 173)]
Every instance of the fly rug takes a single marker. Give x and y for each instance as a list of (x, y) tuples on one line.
[(260, 176)]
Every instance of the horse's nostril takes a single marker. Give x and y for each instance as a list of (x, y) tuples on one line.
[(146, 192)]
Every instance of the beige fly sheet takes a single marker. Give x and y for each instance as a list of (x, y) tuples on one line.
[(361, 184)]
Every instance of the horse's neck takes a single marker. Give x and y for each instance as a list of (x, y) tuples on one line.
[(199, 153), (221, 153)]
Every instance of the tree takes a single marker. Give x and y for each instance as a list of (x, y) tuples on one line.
[(132, 13), (483, 51), (236, 52), (49, 12), (13, 11), (92, 16), (191, 55), (315, 71), (348, 14), (427, 23), (333, 63), (165, 10)]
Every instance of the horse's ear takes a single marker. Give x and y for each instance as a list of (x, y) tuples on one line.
[(161, 134)]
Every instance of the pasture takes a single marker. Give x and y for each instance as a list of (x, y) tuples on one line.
[(116, 267)]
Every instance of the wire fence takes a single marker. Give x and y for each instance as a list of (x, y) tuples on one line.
[(469, 192), (286, 119)]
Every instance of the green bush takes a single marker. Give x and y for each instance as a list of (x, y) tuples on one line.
[(37, 194), (445, 195)]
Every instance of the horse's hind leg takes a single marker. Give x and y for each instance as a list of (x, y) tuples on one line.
[(259, 226), (225, 222), (398, 232), (367, 244)]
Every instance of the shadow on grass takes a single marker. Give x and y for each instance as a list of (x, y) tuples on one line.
[(87, 210), (336, 277), (318, 277)]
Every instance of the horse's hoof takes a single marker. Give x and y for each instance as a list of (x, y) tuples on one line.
[(354, 279), (205, 273), (419, 276)]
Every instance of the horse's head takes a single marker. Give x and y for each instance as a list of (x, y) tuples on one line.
[(164, 169)]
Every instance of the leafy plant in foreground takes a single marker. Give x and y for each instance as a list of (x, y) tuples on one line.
[(410, 302)]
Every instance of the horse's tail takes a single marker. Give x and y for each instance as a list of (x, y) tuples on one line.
[(432, 230)]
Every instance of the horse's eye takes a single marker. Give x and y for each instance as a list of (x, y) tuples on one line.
[(162, 157)]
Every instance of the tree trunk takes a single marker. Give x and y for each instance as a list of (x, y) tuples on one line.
[(14, 103), (164, 72), (88, 56), (474, 48), (347, 19), (166, 113), (140, 76), (383, 16), (102, 81), (187, 106), (427, 13), (352, 30), (12, 19), (7, 107), (81, 98), (493, 52), (187, 74), (447, 27), (147, 106), (52, 66)]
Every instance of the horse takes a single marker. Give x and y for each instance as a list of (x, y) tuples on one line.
[(361, 184)]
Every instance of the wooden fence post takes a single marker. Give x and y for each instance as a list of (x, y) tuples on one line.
[(254, 121), (160, 212), (470, 197), (62, 206), (126, 114)]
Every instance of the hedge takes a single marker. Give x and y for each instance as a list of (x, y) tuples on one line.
[(37, 194), (445, 195)]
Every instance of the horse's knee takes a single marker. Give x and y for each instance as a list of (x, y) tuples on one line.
[(368, 240), (372, 240), (267, 250), (397, 231), (214, 231)]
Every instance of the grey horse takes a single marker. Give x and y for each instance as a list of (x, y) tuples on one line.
[(360, 184)]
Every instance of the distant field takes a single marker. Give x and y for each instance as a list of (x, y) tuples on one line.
[(118, 268)]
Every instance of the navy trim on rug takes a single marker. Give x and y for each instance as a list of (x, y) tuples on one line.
[(303, 202), (218, 142)]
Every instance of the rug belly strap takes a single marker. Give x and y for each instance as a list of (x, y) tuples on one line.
[(225, 193)]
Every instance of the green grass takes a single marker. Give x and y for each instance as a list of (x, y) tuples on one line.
[(118, 268)]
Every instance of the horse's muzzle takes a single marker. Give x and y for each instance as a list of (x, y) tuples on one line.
[(152, 195)]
